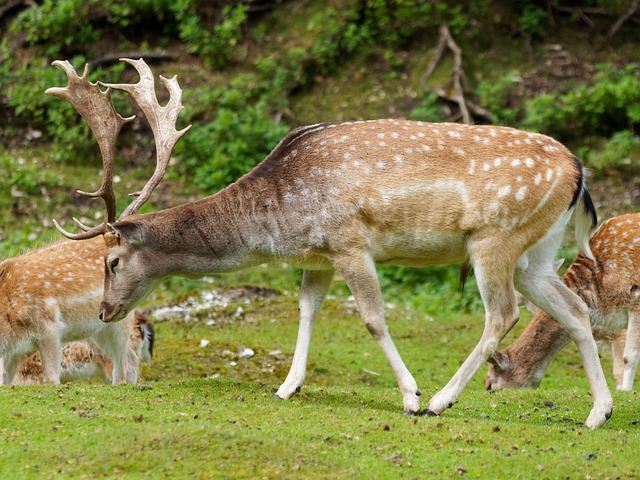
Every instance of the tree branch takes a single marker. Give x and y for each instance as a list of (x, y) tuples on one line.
[(633, 6)]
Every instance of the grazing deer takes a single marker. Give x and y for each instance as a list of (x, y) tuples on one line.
[(84, 360), (609, 287), (344, 196), (50, 295)]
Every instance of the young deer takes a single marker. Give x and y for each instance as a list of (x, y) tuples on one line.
[(344, 196), (609, 287), (51, 295), (84, 360)]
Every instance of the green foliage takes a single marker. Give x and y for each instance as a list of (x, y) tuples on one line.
[(532, 20), (500, 97), (435, 290), (608, 105), (218, 150), (621, 152), (57, 24), (216, 47), (429, 109)]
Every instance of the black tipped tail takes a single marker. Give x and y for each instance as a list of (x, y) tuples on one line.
[(586, 217)]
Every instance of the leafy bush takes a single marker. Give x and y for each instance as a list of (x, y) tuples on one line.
[(428, 110), (216, 47), (621, 151), (435, 289), (221, 148), (57, 24), (610, 104), (532, 20)]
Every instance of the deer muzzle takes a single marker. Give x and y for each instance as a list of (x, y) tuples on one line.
[(109, 313)]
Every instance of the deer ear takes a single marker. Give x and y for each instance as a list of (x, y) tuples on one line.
[(499, 360), (131, 232)]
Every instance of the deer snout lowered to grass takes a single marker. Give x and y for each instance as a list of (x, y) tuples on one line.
[(341, 197), (609, 286)]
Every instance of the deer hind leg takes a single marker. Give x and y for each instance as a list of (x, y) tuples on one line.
[(360, 275), (538, 281), (631, 351), (315, 284), (495, 283), (617, 352)]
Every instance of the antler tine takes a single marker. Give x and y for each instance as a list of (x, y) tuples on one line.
[(96, 108), (161, 119)]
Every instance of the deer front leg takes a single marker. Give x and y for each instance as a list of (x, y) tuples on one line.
[(361, 277), (631, 351), (10, 365), (315, 284), (114, 340), (51, 354)]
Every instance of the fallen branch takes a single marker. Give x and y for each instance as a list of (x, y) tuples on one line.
[(477, 110), (583, 11), (446, 40)]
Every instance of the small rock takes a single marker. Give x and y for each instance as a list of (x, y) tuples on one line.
[(247, 353)]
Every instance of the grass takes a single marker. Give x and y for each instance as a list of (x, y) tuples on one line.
[(346, 423)]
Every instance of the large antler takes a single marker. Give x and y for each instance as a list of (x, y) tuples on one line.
[(161, 119), (96, 108)]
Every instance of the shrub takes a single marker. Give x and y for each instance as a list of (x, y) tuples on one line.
[(609, 105)]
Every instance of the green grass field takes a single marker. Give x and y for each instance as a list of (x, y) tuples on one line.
[(204, 411)]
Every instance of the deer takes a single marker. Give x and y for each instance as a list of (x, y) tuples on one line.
[(48, 296), (344, 196), (609, 287), (84, 360)]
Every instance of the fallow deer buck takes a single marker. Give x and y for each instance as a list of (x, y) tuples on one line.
[(84, 360), (50, 295), (609, 287), (344, 196)]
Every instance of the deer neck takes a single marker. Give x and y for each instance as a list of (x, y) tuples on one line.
[(231, 230), (534, 350)]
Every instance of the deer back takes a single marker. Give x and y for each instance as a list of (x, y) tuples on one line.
[(61, 282)]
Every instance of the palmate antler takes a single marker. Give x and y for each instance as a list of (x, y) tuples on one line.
[(96, 108)]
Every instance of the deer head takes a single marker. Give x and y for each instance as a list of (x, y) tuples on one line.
[(96, 107)]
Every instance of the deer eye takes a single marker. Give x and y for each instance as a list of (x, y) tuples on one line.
[(113, 264)]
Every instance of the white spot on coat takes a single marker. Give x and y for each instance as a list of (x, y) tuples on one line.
[(504, 191)]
